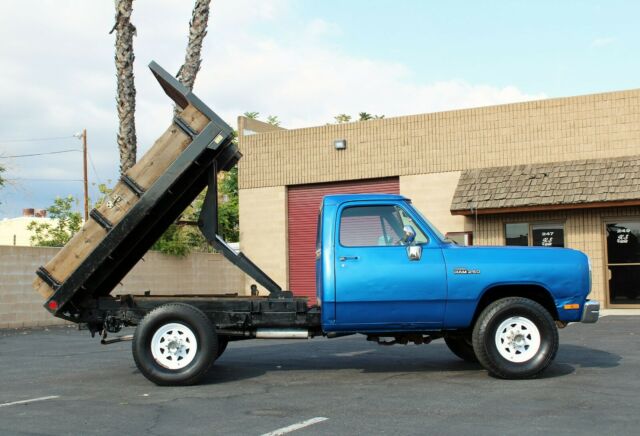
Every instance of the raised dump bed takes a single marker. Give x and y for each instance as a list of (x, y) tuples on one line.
[(147, 199)]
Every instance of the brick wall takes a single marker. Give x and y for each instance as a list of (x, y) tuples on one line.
[(584, 127), (199, 273)]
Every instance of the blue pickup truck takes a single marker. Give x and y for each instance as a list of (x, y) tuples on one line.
[(382, 270)]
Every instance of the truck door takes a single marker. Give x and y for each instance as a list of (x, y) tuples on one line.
[(377, 285)]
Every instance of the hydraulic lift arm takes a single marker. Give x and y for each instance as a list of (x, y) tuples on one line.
[(208, 224)]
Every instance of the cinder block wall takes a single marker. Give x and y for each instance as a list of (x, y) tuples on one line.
[(571, 128), (431, 194), (263, 231), (199, 273)]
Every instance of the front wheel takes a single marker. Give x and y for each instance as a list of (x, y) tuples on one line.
[(175, 344), (515, 338)]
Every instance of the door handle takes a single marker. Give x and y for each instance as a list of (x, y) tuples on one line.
[(343, 258)]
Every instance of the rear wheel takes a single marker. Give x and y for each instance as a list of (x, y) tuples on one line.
[(462, 346), (515, 338), (175, 344)]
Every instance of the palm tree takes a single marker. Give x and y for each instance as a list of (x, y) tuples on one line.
[(126, 89), (197, 31), (273, 120), (342, 118)]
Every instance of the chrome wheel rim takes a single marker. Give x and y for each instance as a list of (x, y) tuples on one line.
[(517, 339), (174, 346)]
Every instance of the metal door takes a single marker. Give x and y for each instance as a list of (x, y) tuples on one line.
[(377, 286)]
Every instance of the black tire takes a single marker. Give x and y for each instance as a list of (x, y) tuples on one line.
[(502, 312), (462, 346), (223, 341), (197, 323)]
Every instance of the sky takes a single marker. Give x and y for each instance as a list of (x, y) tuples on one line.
[(302, 60)]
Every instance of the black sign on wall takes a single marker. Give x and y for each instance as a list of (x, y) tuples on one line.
[(547, 235)]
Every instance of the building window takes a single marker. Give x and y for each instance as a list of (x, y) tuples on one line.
[(537, 235), (517, 234), (623, 261)]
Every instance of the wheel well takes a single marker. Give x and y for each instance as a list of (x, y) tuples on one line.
[(533, 292)]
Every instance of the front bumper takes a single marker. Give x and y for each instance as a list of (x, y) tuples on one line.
[(590, 312)]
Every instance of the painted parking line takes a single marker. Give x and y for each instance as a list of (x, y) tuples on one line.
[(294, 427), (32, 400), (353, 353)]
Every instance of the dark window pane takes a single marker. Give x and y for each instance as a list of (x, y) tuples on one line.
[(368, 226), (624, 285), (623, 242), (547, 235), (517, 234)]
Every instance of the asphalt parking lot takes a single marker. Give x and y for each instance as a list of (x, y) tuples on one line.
[(257, 387)]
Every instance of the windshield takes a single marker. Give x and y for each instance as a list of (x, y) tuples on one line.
[(434, 230)]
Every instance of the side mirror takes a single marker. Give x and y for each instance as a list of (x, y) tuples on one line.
[(409, 235)]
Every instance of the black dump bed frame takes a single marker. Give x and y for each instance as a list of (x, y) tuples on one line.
[(84, 297)]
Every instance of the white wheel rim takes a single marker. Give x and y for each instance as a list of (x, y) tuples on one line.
[(517, 339), (174, 346)]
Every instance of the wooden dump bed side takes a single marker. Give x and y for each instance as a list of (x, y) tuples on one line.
[(147, 199), (120, 201)]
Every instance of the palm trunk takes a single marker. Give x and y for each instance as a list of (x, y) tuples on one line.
[(126, 92), (197, 32)]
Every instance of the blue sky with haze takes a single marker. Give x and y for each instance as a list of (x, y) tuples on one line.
[(302, 60)]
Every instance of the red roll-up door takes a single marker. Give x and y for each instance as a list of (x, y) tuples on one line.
[(303, 204)]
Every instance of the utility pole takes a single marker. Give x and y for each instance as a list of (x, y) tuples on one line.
[(86, 178)]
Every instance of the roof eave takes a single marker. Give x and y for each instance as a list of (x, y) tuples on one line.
[(546, 207)]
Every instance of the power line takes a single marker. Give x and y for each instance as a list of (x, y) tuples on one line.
[(52, 138), (39, 154), (94, 168), (20, 179)]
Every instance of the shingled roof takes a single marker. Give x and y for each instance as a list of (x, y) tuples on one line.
[(558, 185)]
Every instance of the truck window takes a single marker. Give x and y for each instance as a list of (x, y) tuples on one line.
[(369, 226)]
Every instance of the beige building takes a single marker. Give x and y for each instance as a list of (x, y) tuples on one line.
[(14, 231), (559, 172)]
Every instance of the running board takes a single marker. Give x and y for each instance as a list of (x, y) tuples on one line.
[(125, 338)]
